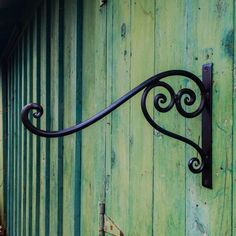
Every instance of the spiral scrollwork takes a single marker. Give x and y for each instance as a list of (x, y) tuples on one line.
[(185, 95), (195, 165)]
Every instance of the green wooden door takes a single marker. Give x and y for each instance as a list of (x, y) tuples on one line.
[(140, 174), (74, 69)]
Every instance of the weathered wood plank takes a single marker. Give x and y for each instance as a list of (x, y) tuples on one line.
[(210, 39), (14, 153), (93, 100), (70, 89), (38, 149), (4, 152), (17, 154), (141, 133), (54, 185), (24, 132), (78, 149), (70, 33), (43, 121), (117, 182), (34, 138), (234, 136), (20, 156), (29, 135), (60, 115), (169, 156), (48, 115), (9, 172)]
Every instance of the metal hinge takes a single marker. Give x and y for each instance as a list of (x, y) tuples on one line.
[(102, 2), (106, 224)]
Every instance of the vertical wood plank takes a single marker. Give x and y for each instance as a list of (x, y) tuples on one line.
[(11, 161), (93, 100), (38, 152), (141, 133), (14, 158), (17, 153), (169, 155), (9, 148), (78, 150), (29, 135), (234, 133), (60, 116), (209, 211), (24, 163), (20, 101), (54, 185), (43, 121), (48, 116), (70, 27), (117, 184), (34, 138), (4, 139)]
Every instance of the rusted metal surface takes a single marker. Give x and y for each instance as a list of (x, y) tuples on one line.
[(106, 224)]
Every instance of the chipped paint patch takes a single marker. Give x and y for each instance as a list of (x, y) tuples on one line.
[(123, 30), (208, 54), (221, 7), (228, 43)]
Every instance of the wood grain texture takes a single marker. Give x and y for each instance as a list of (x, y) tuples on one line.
[(208, 212), (24, 89), (70, 34), (117, 183), (53, 187), (93, 100), (233, 212), (169, 156), (34, 138), (19, 138), (54, 124), (42, 65)]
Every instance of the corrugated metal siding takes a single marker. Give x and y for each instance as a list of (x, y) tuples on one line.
[(53, 186)]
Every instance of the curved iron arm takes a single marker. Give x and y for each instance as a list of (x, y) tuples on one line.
[(195, 165)]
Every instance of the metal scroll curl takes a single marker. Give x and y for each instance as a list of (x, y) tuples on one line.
[(195, 165), (184, 95)]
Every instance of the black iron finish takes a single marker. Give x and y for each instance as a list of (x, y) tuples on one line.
[(207, 127), (185, 95)]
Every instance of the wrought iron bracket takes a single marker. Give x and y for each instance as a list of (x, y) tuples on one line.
[(185, 95)]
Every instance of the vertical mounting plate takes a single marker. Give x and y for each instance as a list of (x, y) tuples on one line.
[(207, 126)]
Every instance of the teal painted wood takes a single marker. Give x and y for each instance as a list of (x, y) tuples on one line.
[(54, 152), (38, 156), (3, 149), (53, 187), (10, 168), (20, 157), (35, 139), (60, 114), (42, 219), (47, 67), (13, 157), (94, 95)]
